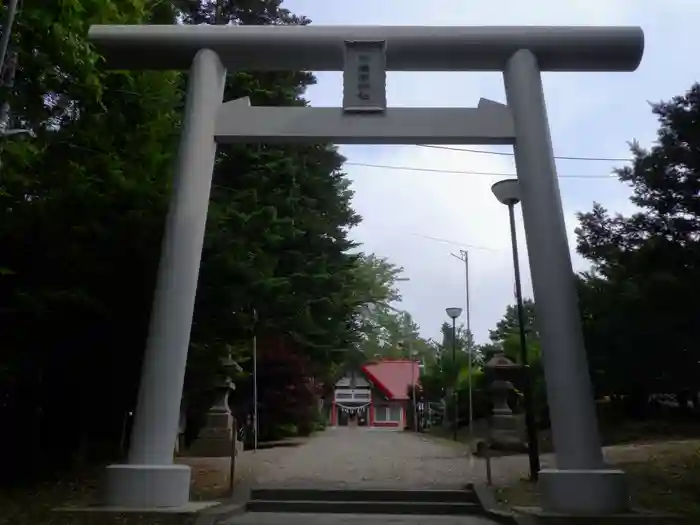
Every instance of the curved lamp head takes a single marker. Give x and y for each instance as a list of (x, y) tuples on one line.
[(453, 312), (507, 191)]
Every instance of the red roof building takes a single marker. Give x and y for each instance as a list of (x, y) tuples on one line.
[(393, 377), (377, 395)]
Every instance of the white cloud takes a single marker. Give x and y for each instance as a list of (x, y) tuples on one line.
[(590, 115)]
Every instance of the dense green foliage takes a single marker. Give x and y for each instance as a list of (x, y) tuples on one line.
[(81, 212), (509, 324), (82, 209), (639, 303)]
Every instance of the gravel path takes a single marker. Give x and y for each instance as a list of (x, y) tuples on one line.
[(368, 458), (365, 458)]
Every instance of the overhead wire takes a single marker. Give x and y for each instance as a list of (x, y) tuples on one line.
[(466, 172), (511, 154), (491, 174), (454, 243)]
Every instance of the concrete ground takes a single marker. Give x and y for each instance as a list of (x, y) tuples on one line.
[(369, 458), (365, 458)]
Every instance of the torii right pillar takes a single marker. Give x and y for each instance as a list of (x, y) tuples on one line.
[(581, 483)]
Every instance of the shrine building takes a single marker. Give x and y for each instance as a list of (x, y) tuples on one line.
[(375, 395)]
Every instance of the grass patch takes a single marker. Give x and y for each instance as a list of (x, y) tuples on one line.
[(19, 506), (481, 433), (34, 505), (612, 433), (463, 436), (667, 481), (616, 433)]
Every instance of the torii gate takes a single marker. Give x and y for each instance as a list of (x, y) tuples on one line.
[(581, 483)]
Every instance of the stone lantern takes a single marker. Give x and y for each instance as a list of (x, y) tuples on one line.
[(214, 439), (225, 387), (506, 430)]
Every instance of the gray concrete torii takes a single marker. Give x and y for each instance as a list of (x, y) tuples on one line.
[(581, 483)]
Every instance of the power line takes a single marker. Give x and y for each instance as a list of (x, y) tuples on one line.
[(460, 172), (510, 154), (455, 243)]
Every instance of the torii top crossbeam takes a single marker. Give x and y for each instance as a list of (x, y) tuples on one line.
[(408, 48)]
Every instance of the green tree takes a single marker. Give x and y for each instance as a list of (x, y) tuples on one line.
[(277, 235), (488, 350), (463, 338), (82, 208), (375, 280), (392, 334), (509, 324), (385, 331), (640, 305), (380, 327), (82, 205), (442, 371)]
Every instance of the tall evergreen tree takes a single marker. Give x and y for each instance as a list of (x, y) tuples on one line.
[(81, 210), (277, 236), (510, 324), (640, 305)]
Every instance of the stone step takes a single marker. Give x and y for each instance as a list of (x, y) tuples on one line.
[(423, 508), (380, 495)]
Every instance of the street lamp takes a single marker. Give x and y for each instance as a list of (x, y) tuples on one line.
[(508, 192), (453, 313)]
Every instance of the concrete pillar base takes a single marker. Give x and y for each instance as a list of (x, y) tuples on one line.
[(147, 486), (584, 492)]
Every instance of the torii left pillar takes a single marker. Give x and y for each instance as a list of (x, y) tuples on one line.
[(150, 478)]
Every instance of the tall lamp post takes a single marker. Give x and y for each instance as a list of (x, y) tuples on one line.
[(453, 313), (508, 192)]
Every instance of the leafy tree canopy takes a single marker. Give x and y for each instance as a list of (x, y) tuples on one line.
[(640, 305), (509, 324), (82, 208)]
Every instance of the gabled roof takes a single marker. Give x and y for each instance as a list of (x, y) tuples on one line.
[(345, 380), (393, 376)]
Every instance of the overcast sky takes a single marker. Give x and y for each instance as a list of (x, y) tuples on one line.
[(591, 115)]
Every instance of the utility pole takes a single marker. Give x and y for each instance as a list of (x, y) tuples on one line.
[(8, 68), (255, 380), (456, 374), (413, 393), (7, 31), (464, 257), (413, 371), (408, 337)]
